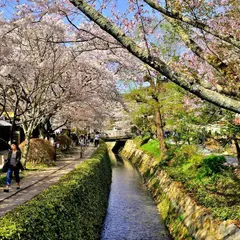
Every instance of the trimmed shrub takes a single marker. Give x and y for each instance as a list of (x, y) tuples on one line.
[(64, 141), (73, 208), (41, 151)]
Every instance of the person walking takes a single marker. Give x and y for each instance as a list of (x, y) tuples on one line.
[(13, 165), (86, 139), (96, 139), (89, 138), (82, 145)]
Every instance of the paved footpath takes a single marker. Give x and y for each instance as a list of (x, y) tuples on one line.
[(34, 184)]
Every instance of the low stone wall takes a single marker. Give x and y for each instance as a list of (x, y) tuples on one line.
[(184, 218)]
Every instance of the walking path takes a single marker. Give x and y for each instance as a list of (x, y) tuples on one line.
[(32, 185)]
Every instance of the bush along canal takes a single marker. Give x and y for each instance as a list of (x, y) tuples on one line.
[(132, 213), (72, 209)]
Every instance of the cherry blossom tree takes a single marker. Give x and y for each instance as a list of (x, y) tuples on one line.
[(92, 93), (207, 62), (204, 60), (45, 73), (207, 65)]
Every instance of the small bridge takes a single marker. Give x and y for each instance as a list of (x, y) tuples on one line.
[(117, 138)]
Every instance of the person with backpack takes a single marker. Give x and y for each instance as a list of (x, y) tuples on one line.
[(13, 165)]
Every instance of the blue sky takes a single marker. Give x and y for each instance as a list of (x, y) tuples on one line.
[(8, 10), (122, 5)]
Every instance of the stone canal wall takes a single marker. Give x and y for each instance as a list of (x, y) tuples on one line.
[(184, 218)]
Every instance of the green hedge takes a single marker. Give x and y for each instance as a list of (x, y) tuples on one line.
[(73, 208)]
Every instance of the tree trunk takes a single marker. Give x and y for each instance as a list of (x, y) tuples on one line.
[(13, 129), (41, 131), (238, 149), (45, 129), (160, 130), (14, 121), (26, 149)]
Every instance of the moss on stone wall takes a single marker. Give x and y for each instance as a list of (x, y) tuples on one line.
[(185, 219)]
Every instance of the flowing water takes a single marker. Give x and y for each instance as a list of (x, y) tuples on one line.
[(132, 213)]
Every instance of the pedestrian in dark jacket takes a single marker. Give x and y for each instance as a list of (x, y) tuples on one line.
[(13, 166)]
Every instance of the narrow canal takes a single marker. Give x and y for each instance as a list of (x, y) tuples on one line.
[(132, 213)]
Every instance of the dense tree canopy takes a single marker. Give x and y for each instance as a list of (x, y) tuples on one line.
[(45, 76), (207, 60), (43, 72), (56, 62)]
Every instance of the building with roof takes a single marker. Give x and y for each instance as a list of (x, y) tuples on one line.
[(5, 130)]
